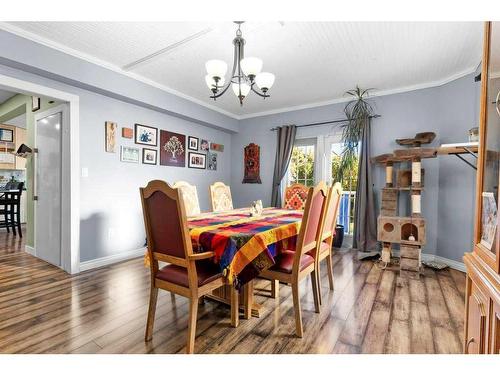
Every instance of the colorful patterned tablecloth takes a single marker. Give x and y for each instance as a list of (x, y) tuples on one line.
[(245, 245)]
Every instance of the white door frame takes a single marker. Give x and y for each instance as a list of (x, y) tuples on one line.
[(70, 192)]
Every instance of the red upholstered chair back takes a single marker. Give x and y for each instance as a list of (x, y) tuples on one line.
[(311, 221), (295, 197), (165, 220), (331, 211)]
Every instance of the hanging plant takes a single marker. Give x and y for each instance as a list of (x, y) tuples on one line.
[(357, 112)]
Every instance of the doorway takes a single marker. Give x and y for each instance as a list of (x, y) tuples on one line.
[(57, 242)]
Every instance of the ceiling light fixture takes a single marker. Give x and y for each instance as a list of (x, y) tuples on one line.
[(245, 77)]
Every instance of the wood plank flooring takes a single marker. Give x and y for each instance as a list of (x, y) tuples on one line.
[(44, 310)]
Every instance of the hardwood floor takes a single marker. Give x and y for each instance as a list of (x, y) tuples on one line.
[(44, 310)]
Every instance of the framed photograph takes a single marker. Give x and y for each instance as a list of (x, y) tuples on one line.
[(149, 156), (204, 145), (6, 135), (127, 133), (172, 150), (193, 143), (216, 147), (129, 154), (146, 135), (488, 220), (111, 128), (35, 103), (197, 160), (212, 161)]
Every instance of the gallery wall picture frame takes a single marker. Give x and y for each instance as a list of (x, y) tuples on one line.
[(204, 145), (129, 154), (35, 103), (110, 134), (216, 147), (172, 149), (6, 135), (193, 143), (212, 161), (146, 135), (197, 160), (149, 156), (127, 133)]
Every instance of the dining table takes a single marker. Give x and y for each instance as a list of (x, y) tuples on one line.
[(244, 244)]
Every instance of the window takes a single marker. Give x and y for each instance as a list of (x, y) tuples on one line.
[(301, 169)]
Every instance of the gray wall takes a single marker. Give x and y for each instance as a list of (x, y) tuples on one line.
[(449, 110), (111, 218)]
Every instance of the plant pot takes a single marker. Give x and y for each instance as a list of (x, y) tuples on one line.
[(339, 236)]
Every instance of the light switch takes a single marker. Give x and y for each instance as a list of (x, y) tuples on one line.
[(85, 172)]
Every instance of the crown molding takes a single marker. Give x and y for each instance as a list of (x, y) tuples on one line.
[(104, 64), (373, 94)]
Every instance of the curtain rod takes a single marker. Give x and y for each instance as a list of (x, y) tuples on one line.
[(324, 122)]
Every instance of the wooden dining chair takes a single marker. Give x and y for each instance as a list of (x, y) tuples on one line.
[(220, 197), (292, 267), (188, 274), (190, 197), (327, 233), (295, 197)]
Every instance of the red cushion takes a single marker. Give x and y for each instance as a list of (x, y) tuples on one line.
[(284, 261), (207, 272)]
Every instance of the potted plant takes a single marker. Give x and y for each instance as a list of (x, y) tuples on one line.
[(358, 112)]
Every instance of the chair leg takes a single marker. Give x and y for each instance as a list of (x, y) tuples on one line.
[(275, 288), (296, 306), (193, 315), (153, 297), (318, 281), (6, 217), (314, 282), (329, 266), (18, 222), (12, 221), (235, 308)]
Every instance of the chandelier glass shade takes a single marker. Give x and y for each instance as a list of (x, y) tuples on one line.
[(246, 74)]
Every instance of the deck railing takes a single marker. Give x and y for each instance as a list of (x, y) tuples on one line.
[(346, 211)]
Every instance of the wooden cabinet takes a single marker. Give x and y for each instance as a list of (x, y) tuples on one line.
[(482, 313), (475, 338), (495, 329)]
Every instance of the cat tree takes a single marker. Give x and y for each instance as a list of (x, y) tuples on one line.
[(407, 231)]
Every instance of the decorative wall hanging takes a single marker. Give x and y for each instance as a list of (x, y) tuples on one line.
[(172, 151), (110, 136), (212, 161), (204, 145), (146, 135), (193, 143), (129, 154), (127, 133), (35, 103), (149, 156), (197, 160), (216, 147), (252, 164)]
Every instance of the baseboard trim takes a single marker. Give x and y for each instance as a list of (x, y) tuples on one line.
[(111, 259), (30, 250), (459, 266)]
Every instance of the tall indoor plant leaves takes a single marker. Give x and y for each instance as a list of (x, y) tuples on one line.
[(357, 112)]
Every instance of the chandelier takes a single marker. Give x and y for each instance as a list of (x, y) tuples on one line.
[(246, 74)]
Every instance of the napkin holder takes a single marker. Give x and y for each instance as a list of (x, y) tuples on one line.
[(256, 208)]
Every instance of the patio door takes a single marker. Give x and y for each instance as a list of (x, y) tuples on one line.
[(333, 151)]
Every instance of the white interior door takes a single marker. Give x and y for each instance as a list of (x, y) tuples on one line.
[(47, 184)]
